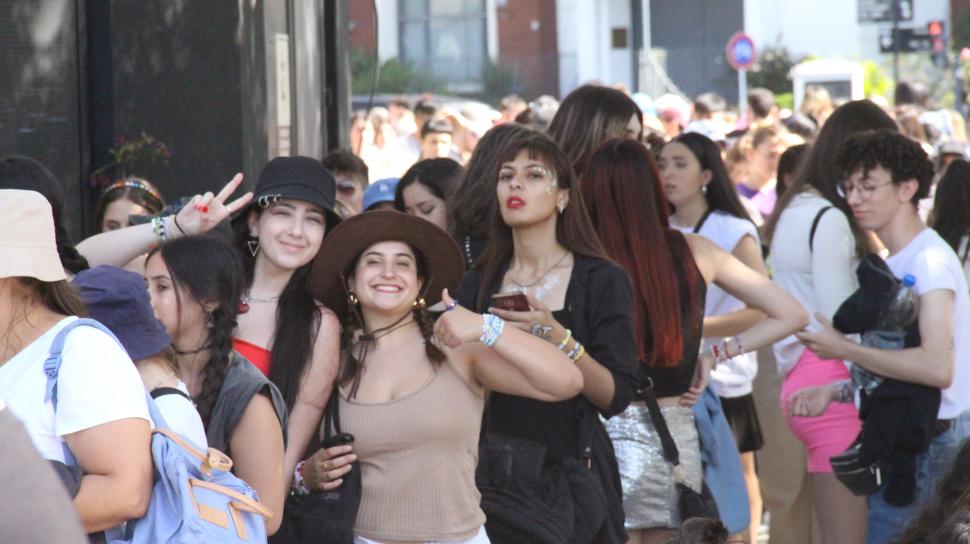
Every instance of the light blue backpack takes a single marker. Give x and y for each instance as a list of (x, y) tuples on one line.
[(195, 498)]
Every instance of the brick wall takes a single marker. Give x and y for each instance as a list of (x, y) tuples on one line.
[(527, 42)]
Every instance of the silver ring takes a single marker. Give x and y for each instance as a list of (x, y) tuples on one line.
[(450, 307)]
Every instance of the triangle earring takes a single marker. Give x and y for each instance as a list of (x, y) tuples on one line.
[(253, 247)]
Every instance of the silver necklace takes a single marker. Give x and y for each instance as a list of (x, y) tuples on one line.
[(537, 280), (249, 298)]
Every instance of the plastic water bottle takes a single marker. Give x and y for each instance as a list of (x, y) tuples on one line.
[(890, 331)]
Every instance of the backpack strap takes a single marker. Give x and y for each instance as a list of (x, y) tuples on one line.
[(811, 233), (52, 367), (700, 224), (331, 416)]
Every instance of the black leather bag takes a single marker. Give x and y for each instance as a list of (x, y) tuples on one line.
[(527, 502), (861, 479), (691, 503), (323, 517)]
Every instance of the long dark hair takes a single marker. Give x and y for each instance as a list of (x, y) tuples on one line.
[(439, 176), (352, 364), (471, 203), (626, 202), (721, 194), (28, 174), (951, 206), (138, 190), (297, 320), (587, 117), (818, 169), (573, 228), (208, 269)]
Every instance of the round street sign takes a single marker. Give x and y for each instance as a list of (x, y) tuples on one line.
[(740, 50)]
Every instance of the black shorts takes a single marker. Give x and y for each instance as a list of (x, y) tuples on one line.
[(743, 419)]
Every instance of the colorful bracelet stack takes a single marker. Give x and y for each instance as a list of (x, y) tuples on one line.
[(562, 345), (492, 327), (719, 350), (577, 352), (299, 482), (159, 228)]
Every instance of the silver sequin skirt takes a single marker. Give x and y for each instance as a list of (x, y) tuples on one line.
[(649, 494)]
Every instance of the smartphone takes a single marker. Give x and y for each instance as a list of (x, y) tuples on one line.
[(515, 302), (341, 439)]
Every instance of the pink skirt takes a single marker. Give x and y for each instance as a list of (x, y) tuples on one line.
[(830, 433)]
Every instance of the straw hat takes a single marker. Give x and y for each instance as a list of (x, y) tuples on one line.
[(27, 244), (328, 273)]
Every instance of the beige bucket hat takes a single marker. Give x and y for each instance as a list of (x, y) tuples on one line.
[(27, 245)]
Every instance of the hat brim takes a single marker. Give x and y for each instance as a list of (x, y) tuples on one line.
[(442, 258), (41, 263)]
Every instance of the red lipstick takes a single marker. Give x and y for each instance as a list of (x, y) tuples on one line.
[(514, 202)]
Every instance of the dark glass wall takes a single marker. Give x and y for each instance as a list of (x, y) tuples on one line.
[(40, 98)]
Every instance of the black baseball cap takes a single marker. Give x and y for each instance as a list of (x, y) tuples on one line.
[(296, 178)]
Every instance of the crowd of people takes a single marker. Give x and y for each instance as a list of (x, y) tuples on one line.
[(602, 320)]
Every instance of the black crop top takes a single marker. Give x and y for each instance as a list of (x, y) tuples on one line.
[(675, 381)]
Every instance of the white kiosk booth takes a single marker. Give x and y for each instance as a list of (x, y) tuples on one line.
[(843, 79)]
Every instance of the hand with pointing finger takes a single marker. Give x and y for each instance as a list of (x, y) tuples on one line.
[(204, 212)]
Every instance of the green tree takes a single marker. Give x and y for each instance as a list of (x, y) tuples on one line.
[(772, 69)]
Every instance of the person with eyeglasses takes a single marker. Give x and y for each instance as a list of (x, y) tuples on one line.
[(815, 246), (886, 174)]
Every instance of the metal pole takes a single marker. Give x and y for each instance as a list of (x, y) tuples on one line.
[(895, 9), (636, 44), (742, 93)]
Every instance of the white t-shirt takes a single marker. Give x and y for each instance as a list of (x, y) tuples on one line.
[(97, 383), (820, 278), (963, 251), (734, 378), (182, 416), (935, 266)]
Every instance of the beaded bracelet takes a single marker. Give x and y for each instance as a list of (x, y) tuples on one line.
[(844, 392), (299, 482), (158, 228), (576, 353), (492, 327), (562, 345)]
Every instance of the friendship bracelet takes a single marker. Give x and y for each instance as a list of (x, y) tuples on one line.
[(492, 327), (576, 353), (562, 345), (157, 229), (844, 392)]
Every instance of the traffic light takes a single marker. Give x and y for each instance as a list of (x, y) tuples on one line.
[(938, 52)]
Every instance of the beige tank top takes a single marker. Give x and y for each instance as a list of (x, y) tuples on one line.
[(417, 457)]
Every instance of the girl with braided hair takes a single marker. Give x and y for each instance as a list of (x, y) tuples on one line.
[(412, 388), (195, 285)]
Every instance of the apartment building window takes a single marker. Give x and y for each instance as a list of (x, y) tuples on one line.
[(445, 38)]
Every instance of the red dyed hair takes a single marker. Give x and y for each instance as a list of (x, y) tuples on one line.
[(627, 204)]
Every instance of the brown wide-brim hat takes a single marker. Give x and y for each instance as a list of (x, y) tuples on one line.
[(443, 262)]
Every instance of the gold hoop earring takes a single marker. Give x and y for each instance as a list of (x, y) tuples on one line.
[(352, 299), (419, 304)]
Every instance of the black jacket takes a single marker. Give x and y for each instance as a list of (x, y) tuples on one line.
[(600, 301)]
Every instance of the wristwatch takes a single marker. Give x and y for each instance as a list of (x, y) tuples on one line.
[(540, 330)]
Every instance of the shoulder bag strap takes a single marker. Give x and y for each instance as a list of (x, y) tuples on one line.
[(162, 391), (811, 233), (700, 224), (660, 425), (331, 416)]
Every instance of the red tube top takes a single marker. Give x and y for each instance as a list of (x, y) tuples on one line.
[(256, 355)]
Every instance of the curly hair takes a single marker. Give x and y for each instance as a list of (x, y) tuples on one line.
[(901, 156)]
